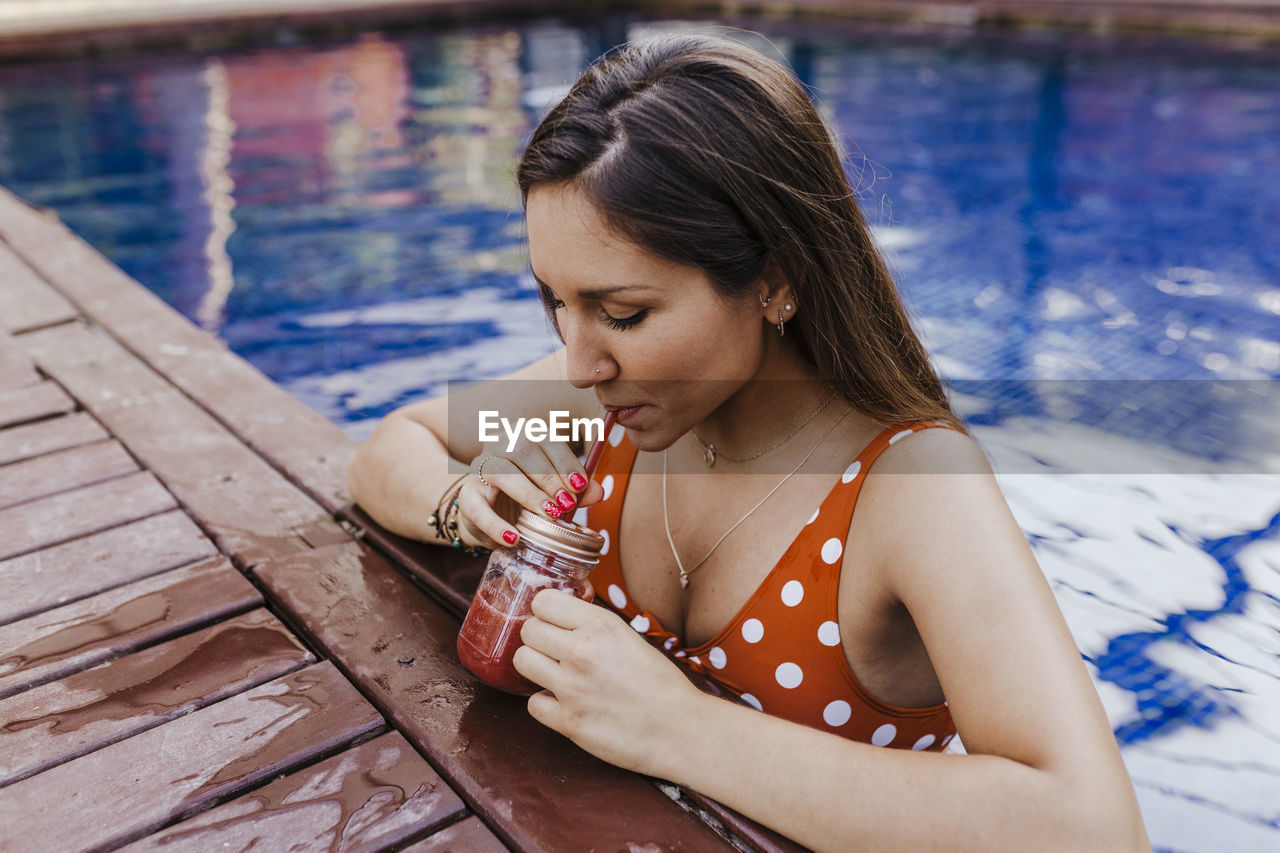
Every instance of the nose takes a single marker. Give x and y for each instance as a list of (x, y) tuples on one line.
[(588, 363)]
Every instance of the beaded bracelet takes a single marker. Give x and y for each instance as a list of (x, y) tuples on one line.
[(446, 522)]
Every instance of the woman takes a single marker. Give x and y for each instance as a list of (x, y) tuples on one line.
[(705, 263)]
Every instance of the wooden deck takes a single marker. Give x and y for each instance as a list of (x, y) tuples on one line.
[(203, 647)]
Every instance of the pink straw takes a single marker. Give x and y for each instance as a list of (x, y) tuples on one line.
[(593, 455)]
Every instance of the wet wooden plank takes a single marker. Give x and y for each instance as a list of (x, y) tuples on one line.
[(93, 564), (465, 836), (448, 574), (251, 511), (26, 301), (307, 447), (68, 515), (24, 442), (63, 470), (366, 799), (66, 719), (523, 779), (129, 789), (16, 370), (20, 405), (70, 638)]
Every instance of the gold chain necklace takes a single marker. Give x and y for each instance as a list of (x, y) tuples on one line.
[(666, 523), (710, 454)]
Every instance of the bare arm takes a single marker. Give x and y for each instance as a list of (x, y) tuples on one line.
[(400, 473), (1043, 770)]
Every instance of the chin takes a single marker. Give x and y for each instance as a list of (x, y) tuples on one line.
[(651, 440)]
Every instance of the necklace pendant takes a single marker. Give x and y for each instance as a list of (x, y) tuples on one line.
[(709, 453), (684, 581)]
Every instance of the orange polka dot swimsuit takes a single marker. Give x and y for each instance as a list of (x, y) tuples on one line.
[(781, 652)]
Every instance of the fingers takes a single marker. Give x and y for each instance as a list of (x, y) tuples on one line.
[(535, 666), (545, 708), (572, 474), (563, 610), (546, 466), (551, 640), (505, 475), (529, 479), (479, 525)]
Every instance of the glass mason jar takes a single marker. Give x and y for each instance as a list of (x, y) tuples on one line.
[(549, 555)]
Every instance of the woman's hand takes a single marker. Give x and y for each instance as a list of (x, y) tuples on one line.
[(607, 689), (545, 478)]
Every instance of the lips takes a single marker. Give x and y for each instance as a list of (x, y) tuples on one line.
[(626, 414)]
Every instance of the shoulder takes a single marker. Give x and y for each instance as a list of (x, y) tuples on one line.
[(928, 496), (935, 450)]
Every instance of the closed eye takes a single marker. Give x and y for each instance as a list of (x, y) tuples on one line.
[(624, 323), (621, 324), (549, 299)]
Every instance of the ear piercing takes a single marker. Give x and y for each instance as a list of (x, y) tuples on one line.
[(764, 303)]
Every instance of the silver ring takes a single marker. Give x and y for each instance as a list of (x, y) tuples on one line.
[(480, 470)]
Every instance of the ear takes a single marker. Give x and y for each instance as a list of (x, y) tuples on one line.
[(775, 288)]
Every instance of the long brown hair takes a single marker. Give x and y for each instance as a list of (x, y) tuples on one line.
[(710, 154)]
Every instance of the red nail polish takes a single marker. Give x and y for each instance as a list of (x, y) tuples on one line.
[(565, 500), (552, 509), (577, 481), (509, 536)]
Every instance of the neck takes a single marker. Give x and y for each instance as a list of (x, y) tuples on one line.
[(783, 393)]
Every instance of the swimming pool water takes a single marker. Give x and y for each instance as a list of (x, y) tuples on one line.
[(1086, 231)]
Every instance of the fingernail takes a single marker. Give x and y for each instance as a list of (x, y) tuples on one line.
[(552, 509), (565, 500), (577, 481), (509, 536)]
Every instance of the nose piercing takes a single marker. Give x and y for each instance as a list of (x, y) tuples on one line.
[(597, 370)]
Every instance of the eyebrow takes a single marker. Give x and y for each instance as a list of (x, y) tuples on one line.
[(595, 293)]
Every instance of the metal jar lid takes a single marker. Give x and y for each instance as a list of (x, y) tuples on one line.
[(563, 537)]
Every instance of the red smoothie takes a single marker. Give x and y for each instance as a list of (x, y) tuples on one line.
[(489, 639)]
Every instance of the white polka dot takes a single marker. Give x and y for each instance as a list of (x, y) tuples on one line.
[(696, 659), (617, 597), (640, 623), (668, 643), (752, 630), (616, 434), (813, 517), (900, 436), (829, 633), (792, 593), (924, 742), (789, 675), (831, 550), (884, 735), (837, 713), (946, 740), (580, 517), (752, 701), (717, 658), (680, 653), (604, 549), (851, 471), (607, 485)]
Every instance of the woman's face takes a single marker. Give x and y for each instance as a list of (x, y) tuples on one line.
[(656, 330)]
